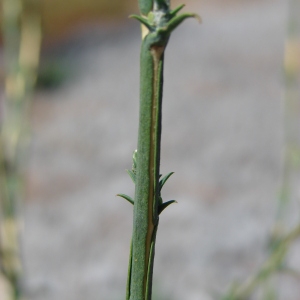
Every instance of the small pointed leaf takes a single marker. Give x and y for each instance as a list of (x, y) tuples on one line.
[(129, 199), (174, 12), (176, 21), (132, 175), (165, 205), (142, 20), (164, 180)]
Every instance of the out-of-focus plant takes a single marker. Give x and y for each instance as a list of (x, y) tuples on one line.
[(22, 38), (157, 21), (281, 238), (274, 264)]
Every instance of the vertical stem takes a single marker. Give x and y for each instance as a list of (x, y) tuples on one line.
[(22, 38), (9, 238), (291, 163), (147, 179), (158, 21)]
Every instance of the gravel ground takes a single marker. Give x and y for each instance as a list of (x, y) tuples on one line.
[(222, 136)]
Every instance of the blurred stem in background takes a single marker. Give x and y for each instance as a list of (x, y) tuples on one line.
[(22, 39), (291, 164), (282, 237)]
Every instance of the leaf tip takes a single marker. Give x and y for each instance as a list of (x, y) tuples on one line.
[(198, 18), (129, 199), (164, 205)]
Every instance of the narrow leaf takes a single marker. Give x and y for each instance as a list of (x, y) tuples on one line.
[(176, 21), (129, 199), (142, 20), (164, 180), (132, 175), (174, 12), (165, 205)]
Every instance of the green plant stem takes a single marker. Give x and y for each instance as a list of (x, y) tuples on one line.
[(147, 178), (158, 21)]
